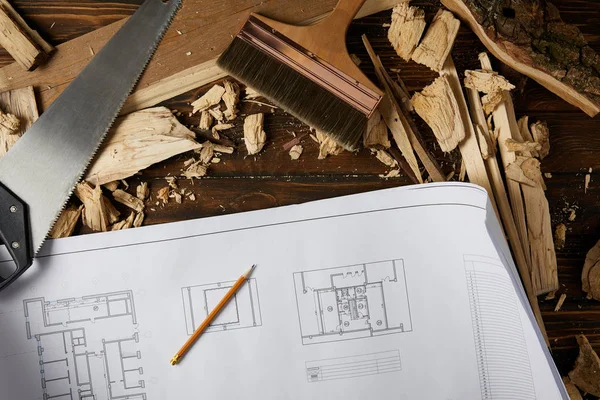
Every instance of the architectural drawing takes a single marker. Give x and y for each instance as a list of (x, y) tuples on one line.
[(353, 366), (87, 347), (243, 311), (352, 302)]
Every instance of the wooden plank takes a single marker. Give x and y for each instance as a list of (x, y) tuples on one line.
[(14, 38), (206, 30)]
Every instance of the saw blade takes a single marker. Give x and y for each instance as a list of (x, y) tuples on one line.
[(43, 167)]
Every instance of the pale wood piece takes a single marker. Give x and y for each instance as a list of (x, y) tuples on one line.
[(137, 141), (541, 135), (129, 200), (254, 134), (208, 99), (438, 41), (560, 236), (231, 98), (296, 151), (195, 170), (523, 123), (327, 146), (334, 27), (98, 212), (522, 147), (207, 152), (437, 105), (45, 46), (592, 259), (112, 186), (486, 81), (560, 302), (355, 59), (124, 224), (518, 59), (377, 134), (487, 149), (515, 172), (217, 114), (572, 390), (139, 219), (586, 372), (406, 29), (171, 73), (66, 223), (20, 103), (142, 191), (206, 120), (386, 158), (9, 131), (15, 39), (218, 128)]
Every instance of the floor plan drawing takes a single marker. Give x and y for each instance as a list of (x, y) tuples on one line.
[(353, 366), (243, 311), (87, 347), (352, 302)]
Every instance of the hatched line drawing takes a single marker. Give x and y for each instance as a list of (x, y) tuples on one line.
[(353, 366), (87, 347), (352, 302), (243, 310)]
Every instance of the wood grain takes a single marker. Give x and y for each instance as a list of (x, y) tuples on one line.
[(241, 183)]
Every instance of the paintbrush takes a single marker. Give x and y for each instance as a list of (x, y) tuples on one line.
[(307, 71)]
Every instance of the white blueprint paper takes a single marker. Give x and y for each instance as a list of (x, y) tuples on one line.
[(395, 294)]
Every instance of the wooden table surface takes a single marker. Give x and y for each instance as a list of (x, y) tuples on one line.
[(241, 183)]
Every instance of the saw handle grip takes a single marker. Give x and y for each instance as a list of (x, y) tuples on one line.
[(15, 233)]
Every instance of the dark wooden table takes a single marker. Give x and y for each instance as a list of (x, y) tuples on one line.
[(241, 183)]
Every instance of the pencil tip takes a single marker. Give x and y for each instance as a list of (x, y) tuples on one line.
[(250, 270)]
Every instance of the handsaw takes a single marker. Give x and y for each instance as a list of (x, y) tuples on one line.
[(39, 172)]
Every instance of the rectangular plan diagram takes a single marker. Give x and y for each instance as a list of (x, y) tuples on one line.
[(87, 347), (352, 302), (353, 366), (243, 311)]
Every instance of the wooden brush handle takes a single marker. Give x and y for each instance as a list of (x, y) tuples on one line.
[(327, 38)]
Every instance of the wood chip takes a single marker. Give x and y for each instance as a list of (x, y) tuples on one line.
[(437, 106), (592, 261), (487, 149), (124, 224), (251, 94), (195, 170), (355, 59), (142, 191), (66, 223), (406, 29), (112, 186), (392, 174), (127, 199), (327, 146), (438, 41), (586, 183), (20, 112), (137, 141), (560, 302), (163, 194), (551, 295), (486, 81), (572, 215), (572, 390), (296, 151), (560, 236), (218, 128), (377, 136), (15, 39), (523, 124), (254, 134), (209, 99), (219, 148), (386, 158), (586, 372), (192, 197), (172, 182), (217, 114), (139, 219), (231, 98), (177, 196), (515, 146), (541, 134), (207, 152), (98, 213), (206, 120)]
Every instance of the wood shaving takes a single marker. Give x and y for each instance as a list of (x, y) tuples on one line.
[(560, 302), (218, 128), (231, 98), (327, 146), (296, 151), (142, 191), (195, 170), (125, 224), (66, 223), (437, 105), (386, 158), (112, 186), (491, 101), (486, 81), (217, 114), (586, 372), (176, 195), (560, 236), (392, 174), (9, 131), (206, 120), (551, 295), (209, 99), (250, 94), (526, 170), (172, 181), (438, 41), (139, 219), (592, 262), (406, 29), (98, 212), (586, 183), (522, 147), (163, 194), (547, 175), (207, 152), (541, 134), (485, 147), (377, 135), (254, 134), (127, 199), (572, 215), (192, 197)]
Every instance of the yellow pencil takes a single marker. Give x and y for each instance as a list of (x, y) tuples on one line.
[(213, 314)]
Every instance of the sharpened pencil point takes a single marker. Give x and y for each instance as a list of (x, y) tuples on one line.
[(247, 274)]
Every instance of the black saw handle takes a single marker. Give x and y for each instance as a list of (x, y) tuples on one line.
[(15, 233)]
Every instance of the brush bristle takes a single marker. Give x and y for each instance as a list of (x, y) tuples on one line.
[(295, 93)]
